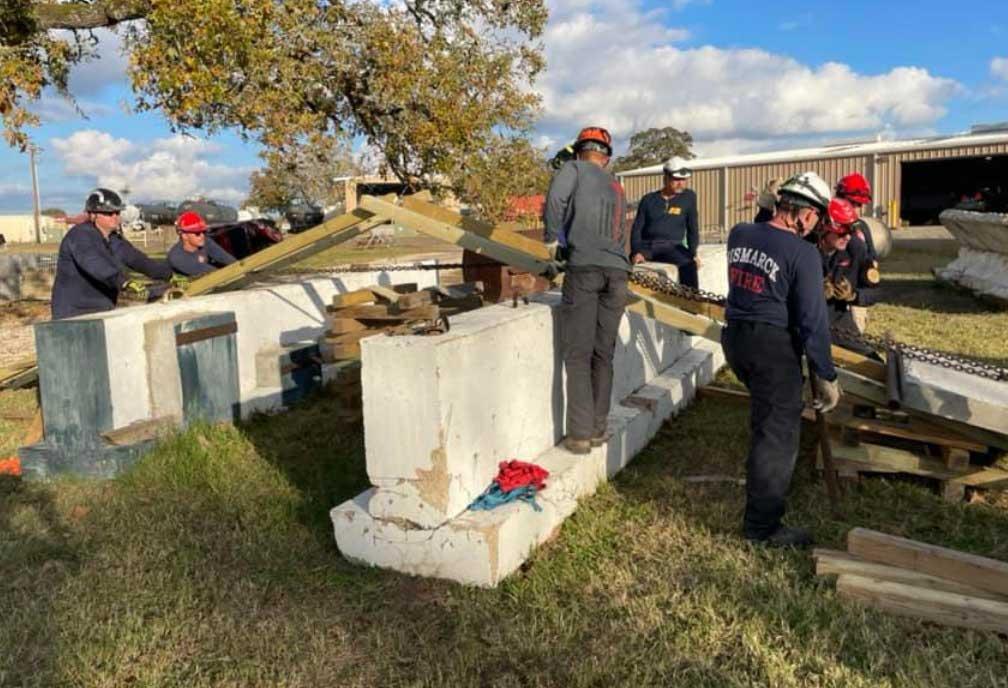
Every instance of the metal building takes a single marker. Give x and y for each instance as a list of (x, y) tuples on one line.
[(912, 180)]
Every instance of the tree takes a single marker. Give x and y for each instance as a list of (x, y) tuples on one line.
[(433, 84), (53, 212), (512, 168), (654, 146), (303, 172)]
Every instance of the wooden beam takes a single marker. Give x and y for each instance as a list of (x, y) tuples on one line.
[(291, 250), (960, 567), (831, 562), (501, 234), (657, 306), (504, 247), (936, 606)]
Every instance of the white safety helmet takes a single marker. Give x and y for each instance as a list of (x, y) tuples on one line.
[(676, 167), (806, 189)]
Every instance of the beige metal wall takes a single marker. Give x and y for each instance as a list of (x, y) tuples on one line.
[(723, 203)]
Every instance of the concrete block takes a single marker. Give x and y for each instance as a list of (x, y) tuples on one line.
[(483, 547), (442, 412), (982, 263), (713, 272)]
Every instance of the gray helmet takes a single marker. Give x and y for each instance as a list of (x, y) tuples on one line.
[(103, 201), (806, 189)]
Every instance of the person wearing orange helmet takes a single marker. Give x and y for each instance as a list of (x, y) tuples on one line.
[(585, 221), (848, 277), (195, 253)]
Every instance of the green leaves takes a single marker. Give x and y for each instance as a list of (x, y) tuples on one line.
[(654, 146)]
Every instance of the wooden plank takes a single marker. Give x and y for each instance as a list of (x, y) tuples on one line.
[(831, 562), (349, 337), (960, 567), (384, 294), (915, 430), (292, 249), (896, 459), (500, 233), (343, 325), (657, 306), (384, 312), (339, 352), (141, 431), (418, 298), (353, 298), (739, 396), (35, 431), (193, 336), (936, 606), (954, 458), (505, 247)]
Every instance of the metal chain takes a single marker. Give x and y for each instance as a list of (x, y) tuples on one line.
[(660, 283)]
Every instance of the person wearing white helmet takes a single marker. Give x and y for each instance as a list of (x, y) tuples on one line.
[(775, 314), (666, 228)]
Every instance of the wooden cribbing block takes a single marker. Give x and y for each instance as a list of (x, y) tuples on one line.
[(960, 567), (418, 298), (385, 312), (831, 562), (384, 294), (336, 326), (353, 298), (332, 351), (916, 431), (140, 431), (937, 606), (954, 458)]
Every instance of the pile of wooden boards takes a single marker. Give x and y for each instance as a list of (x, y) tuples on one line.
[(870, 440), (918, 580), (401, 309)]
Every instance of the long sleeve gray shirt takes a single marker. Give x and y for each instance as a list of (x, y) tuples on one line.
[(586, 213)]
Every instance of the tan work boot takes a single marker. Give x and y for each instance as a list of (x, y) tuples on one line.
[(577, 446)]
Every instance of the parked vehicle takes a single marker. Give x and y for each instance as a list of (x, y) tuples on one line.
[(301, 215), (242, 239)]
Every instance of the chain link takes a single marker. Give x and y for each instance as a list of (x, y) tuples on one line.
[(662, 284)]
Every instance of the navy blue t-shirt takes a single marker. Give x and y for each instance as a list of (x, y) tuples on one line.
[(776, 277), (663, 225), (205, 259)]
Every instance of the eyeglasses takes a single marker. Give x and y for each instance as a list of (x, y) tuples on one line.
[(109, 212)]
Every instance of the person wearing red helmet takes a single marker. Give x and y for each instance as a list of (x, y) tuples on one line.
[(585, 223), (856, 189), (195, 253), (849, 279)]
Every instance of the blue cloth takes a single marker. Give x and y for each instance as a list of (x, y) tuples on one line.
[(776, 277), (851, 264), (206, 259), (664, 227), (91, 269), (493, 497)]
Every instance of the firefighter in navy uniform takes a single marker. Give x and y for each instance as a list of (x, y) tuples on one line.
[(850, 277), (667, 227), (855, 189), (196, 254), (91, 269), (776, 313), (585, 219)]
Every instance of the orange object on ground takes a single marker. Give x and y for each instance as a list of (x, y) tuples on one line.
[(10, 466)]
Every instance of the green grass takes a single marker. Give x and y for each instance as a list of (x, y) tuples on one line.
[(212, 564)]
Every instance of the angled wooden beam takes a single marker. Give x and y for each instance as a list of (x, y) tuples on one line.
[(290, 250), (504, 247)]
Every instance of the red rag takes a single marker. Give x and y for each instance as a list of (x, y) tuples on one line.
[(514, 474)]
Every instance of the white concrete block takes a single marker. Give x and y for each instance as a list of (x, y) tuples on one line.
[(713, 272), (483, 547), (441, 412)]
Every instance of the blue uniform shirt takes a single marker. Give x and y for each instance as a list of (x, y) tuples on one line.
[(206, 259), (91, 269), (664, 227), (776, 277), (850, 264)]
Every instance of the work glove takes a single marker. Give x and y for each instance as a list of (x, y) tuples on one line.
[(829, 291), (827, 395), (843, 290), (134, 290), (556, 264), (178, 281)]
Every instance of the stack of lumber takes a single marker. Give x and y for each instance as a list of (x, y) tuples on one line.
[(918, 580)]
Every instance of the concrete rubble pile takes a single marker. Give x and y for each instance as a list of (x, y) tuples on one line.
[(982, 263)]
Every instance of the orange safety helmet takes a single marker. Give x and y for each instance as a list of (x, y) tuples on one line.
[(190, 223), (596, 135)]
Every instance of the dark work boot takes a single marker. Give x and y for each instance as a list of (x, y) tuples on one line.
[(600, 439), (786, 536), (577, 446)]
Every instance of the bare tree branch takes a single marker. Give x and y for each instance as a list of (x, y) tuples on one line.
[(52, 15)]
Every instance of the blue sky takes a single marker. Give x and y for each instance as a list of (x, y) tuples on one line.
[(741, 76)]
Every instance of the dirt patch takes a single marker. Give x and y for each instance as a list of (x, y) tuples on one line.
[(17, 339)]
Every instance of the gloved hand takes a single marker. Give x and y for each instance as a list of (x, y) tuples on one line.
[(557, 264), (134, 290), (843, 290), (829, 291), (827, 395), (178, 281)]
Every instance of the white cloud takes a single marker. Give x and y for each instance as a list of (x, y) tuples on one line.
[(618, 65), (106, 70), (176, 167), (999, 68)]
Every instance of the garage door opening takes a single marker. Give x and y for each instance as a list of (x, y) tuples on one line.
[(931, 186)]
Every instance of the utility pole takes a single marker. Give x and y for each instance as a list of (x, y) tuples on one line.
[(35, 195)]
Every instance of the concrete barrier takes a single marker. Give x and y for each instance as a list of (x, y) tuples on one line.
[(713, 272), (441, 412), (220, 357), (982, 263)]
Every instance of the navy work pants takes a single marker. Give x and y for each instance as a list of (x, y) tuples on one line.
[(593, 303), (767, 359)]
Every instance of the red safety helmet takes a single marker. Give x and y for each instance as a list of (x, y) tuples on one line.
[(855, 188), (841, 215), (596, 135), (190, 223)]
